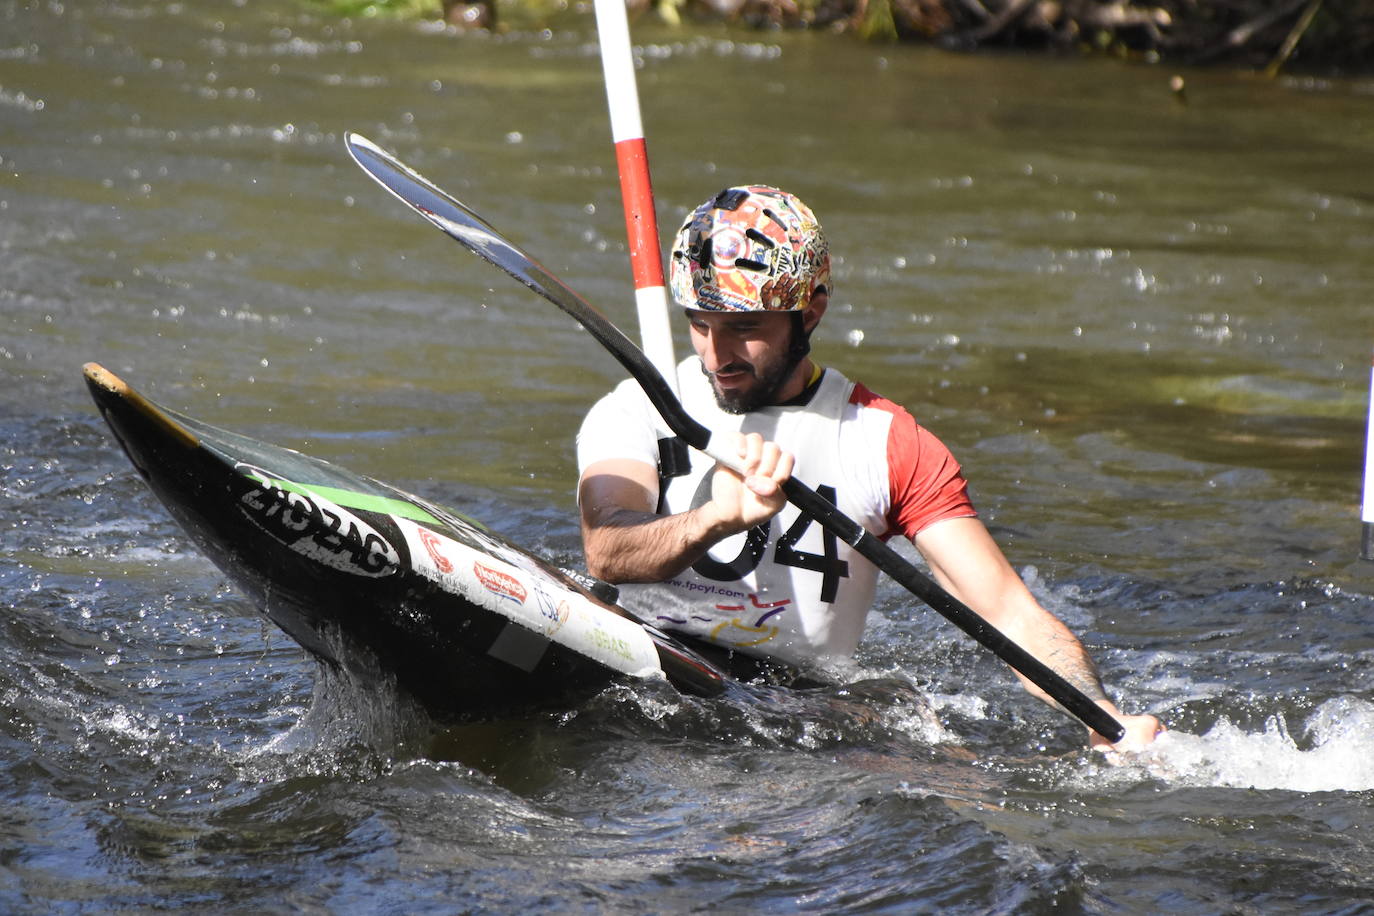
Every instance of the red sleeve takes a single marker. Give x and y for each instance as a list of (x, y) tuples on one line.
[(926, 482)]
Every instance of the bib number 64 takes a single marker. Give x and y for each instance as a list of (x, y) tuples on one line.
[(785, 552)]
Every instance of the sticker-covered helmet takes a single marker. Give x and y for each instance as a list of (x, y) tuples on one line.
[(751, 248)]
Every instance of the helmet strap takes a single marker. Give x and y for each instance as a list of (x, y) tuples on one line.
[(799, 346)]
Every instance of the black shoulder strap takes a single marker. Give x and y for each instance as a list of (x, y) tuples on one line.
[(674, 460)]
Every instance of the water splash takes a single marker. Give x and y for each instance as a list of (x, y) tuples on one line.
[(1336, 753), (348, 727)]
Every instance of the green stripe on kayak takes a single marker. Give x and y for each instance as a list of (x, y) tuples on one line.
[(384, 505), (349, 499)]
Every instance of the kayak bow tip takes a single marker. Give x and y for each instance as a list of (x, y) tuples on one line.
[(112, 393)]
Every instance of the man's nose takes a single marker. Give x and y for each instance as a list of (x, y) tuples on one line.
[(718, 350)]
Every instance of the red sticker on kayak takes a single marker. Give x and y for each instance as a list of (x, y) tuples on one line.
[(432, 544), (503, 584)]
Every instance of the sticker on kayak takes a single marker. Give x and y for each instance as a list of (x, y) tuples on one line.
[(499, 583), (315, 527), (432, 545), (542, 606), (482, 578)]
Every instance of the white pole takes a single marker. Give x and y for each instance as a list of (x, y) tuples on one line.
[(641, 223), (1367, 515)]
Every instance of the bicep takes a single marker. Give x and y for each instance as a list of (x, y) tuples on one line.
[(616, 485), (968, 563)]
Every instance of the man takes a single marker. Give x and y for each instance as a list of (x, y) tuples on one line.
[(739, 567)]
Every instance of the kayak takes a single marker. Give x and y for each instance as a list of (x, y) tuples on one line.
[(385, 584)]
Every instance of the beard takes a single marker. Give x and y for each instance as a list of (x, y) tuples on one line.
[(768, 380)]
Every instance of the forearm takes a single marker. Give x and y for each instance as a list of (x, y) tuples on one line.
[(1049, 640), (629, 546), (625, 541), (1052, 643), (967, 562)]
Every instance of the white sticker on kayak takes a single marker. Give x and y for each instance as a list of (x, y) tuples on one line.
[(543, 606), (317, 528)]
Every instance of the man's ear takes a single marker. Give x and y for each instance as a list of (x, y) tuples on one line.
[(814, 310)]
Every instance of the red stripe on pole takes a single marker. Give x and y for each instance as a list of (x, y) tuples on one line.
[(641, 226)]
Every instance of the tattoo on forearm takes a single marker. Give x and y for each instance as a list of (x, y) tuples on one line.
[(1071, 660), (1086, 679)]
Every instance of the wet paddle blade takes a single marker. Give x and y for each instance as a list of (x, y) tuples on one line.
[(460, 223)]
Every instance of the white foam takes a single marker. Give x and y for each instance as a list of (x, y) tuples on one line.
[(1337, 755)]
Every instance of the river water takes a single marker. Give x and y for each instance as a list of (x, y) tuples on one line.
[(1141, 322)]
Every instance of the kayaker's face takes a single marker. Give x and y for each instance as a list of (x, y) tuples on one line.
[(745, 355)]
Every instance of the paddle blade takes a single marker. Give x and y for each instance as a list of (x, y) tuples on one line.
[(456, 219), (478, 236)]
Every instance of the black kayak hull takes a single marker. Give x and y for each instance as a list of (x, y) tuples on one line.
[(384, 584)]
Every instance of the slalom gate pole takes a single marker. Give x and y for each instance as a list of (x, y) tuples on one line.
[(1367, 514), (632, 160)]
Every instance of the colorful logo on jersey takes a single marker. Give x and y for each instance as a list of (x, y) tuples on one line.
[(740, 635), (737, 632), (769, 608)]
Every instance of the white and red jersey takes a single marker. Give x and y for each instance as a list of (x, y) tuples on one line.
[(788, 589)]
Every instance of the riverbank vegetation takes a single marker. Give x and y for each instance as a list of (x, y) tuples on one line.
[(1316, 35)]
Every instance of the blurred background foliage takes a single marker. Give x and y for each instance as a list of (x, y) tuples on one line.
[(1327, 35)]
